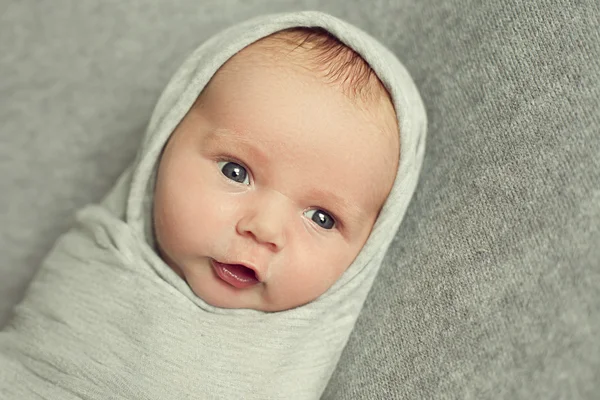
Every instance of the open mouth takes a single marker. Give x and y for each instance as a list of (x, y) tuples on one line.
[(236, 275)]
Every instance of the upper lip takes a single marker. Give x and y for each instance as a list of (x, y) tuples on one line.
[(247, 265)]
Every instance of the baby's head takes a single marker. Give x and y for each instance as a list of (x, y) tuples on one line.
[(269, 187)]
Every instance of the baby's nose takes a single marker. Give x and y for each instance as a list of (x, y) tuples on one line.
[(265, 221)]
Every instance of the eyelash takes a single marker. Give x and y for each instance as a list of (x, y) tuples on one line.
[(336, 221)]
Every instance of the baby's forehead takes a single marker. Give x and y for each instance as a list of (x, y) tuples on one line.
[(321, 54), (318, 51)]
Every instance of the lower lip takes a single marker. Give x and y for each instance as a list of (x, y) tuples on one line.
[(225, 272)]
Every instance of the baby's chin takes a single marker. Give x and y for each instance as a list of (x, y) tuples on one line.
[(213, 291), (208, 286)]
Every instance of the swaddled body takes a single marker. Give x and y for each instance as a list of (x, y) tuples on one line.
[(251, 158)]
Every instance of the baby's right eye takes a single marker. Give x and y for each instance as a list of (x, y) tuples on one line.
[(234, 171)]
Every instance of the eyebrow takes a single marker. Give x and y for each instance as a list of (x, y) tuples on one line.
[(246, 144)]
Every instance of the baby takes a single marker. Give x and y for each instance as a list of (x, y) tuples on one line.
[(269, 187), (232, 258)]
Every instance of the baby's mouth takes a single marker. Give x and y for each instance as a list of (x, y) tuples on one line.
[(236, 275)]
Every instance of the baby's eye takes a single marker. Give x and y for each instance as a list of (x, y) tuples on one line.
[(321, 218), (234, 171)]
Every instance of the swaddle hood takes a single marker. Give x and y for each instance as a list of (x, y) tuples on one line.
[(297, 348), (152, 336)]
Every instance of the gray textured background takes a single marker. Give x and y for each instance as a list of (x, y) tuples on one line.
[(492, 288)]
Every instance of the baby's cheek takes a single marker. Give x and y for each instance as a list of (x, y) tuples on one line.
[(341, 259), (165, 229), (330, 267), (176, 222)]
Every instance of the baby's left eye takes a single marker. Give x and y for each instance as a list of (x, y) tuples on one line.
[(321, 218)]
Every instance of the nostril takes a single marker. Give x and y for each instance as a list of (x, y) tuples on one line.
[(262, 230)]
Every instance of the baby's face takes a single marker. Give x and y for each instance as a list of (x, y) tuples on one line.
[(275, 170)]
